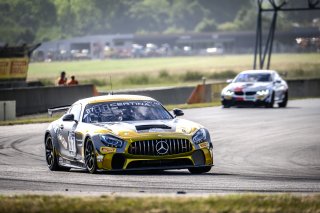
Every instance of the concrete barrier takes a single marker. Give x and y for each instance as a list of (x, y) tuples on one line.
[(304, 88), (7, 110), (39, 99), (211, 92), (168, 95)]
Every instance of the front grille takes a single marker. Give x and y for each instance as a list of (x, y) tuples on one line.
[(160, 147), (159, 163), (238, 93), (250, 93)]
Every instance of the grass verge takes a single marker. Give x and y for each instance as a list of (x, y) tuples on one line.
[(152, 72), (29, 120), (228, 203), (190, 106)]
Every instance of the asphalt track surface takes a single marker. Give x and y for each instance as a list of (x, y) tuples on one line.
[(255, 150)]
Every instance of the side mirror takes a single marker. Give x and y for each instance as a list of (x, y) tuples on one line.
[(229, 81), (68, 117), (277, 82), (178, 112)]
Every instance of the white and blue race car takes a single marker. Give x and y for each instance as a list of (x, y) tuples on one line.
[(256, 87)]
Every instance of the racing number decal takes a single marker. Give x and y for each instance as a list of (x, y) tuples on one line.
[(72, 143)]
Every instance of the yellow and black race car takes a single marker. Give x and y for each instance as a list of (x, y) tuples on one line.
[(126, 132)]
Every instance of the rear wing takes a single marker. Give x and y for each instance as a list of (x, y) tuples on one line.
[(57, 109)]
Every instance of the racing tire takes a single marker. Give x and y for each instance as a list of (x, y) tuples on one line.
[(225, 104), (270, 105), (284, 103), (90, 157), (51, 156), (199, 170)]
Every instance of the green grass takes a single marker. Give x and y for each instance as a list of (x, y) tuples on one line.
[(30, 119), (191, 106), (228, 203), (152, 72)]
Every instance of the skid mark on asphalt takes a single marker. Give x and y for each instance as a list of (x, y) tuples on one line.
[(255, 150), (15, 144)]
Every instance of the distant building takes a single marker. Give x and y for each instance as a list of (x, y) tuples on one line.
[(86, 47), (153, 45)]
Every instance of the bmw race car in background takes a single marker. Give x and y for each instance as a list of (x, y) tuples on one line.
[(126, 132), (257, 87)]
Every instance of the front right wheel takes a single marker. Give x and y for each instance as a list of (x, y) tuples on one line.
[(199, 170), (225, 104)]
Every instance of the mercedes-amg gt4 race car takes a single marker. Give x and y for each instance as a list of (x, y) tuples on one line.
[(256, 87), (126, 132)]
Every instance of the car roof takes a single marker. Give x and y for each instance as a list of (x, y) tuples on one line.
[(259, 71), (110, 98)]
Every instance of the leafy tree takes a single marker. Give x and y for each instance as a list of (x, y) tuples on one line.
[(20, 19), (206, 25), (43, 20)]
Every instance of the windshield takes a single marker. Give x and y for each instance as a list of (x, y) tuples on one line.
[(125, 111), (254, 77)]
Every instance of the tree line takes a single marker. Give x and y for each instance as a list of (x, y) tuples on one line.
[(30, 21)]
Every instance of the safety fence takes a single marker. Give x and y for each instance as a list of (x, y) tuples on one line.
[(39, 99)]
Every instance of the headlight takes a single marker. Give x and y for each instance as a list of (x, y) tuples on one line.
[(199, 136), (111, 141), (263, 92), (228, 93)]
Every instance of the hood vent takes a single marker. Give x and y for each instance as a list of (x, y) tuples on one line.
[(152, 126)]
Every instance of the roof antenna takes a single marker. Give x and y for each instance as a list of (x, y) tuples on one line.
[(111, 85)]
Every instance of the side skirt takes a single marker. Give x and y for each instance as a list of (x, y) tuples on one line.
[(71, 164)]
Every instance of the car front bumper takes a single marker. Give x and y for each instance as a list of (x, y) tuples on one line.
[(123, 161), (238, 100)]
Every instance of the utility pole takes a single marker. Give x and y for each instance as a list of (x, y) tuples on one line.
[(263, 47)]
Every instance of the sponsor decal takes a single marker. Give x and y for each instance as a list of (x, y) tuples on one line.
[(238, 89), (107, 150), (108, 108), (228, 97), (100, 158), (13, 68), (4, 68), (156, 130), (62, 140), (203, 145), (117, 110), (72, 143), (249, 98)]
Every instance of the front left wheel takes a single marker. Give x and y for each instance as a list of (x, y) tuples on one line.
[(225, 104), (90, 157), (52, 157), (271, 103), (284, 103)]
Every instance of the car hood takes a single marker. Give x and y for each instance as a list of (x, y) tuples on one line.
[(255, 86), (136, 128)]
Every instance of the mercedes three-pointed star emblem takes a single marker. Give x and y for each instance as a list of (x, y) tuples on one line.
[(162, 147)]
